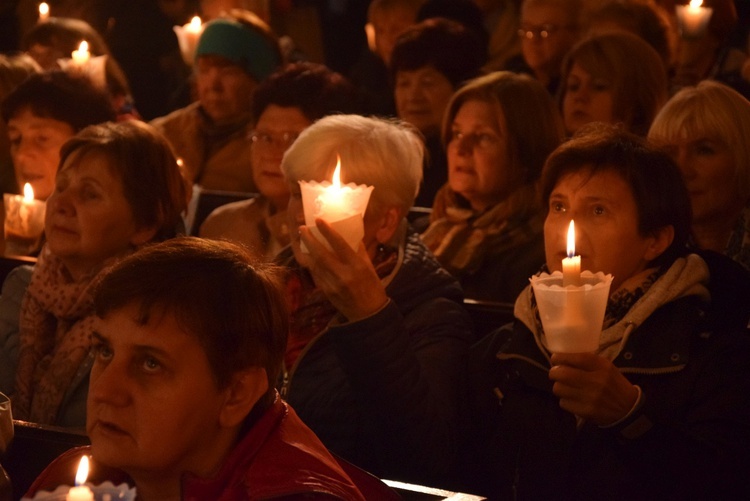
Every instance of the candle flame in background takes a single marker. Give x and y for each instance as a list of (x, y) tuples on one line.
[(83, 471), (83, 46), (195, 23), (694, 4), (43, 9), (28, 192), (337, 173), (571, 239)]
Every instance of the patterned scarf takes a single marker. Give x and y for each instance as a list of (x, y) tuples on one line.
[(462, 239), (311, 312), (56, 322), (738, 247), (631, 304)]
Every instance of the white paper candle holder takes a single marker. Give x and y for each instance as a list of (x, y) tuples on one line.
[(572, 316), (342, 207)]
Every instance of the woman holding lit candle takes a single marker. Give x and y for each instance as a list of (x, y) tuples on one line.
[(42, 113), (378, 336), (486, 227), (661, 409), (118, 188)]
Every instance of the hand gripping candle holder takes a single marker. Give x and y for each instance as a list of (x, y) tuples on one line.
[(572, 316)]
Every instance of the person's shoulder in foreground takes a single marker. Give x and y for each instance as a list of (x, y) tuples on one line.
[(181, 400)]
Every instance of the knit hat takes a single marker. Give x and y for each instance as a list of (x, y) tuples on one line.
[(241, 44)]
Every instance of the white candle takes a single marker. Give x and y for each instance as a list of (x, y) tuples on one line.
[(187, 37), (693, 18), (81, 56), (81, 492), (43, 12), (571, 264)]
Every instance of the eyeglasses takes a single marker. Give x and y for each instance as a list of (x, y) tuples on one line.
[(266, 139), (543, 31)]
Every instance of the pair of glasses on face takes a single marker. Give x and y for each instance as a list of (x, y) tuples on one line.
[(265, 139), (542, 32)]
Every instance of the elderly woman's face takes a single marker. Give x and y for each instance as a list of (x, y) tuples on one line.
[(479, 165), (35, 144), (88, 218), (275, 131), (586, 99), (708, 169), (422, 96), (606, 225)]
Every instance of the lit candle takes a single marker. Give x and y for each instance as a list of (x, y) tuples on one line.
[(693, 18), (343, 206), (81, 492), (81, 56), (572, 263), (43, 12), (333, 199), (187, 37)]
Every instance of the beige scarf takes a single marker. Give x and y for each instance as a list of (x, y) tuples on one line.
[(57, 318), (462, 240), (687, 276)]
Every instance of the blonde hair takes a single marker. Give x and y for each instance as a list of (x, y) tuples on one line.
[(386, 154), (709, 110)]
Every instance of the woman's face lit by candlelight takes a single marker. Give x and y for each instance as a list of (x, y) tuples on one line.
[(606, 225)]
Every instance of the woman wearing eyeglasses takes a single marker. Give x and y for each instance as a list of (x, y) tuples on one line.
[(548, 29), (285, 104), (486, 226)]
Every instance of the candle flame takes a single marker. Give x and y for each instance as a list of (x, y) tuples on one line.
[(571, 239), (83, 471), (28, 192), (694, 4), (43, 9), (83, 47), (195, 23), (337, 173)]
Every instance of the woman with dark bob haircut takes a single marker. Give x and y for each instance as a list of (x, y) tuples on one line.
[(661, 410), (118, 188)]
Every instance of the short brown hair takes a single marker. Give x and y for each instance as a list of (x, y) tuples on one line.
[(638, 76), (534, 124), (143, 160), (654, 179), (233, 304)]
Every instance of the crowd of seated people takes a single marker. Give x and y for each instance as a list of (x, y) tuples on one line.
[(612, 114)]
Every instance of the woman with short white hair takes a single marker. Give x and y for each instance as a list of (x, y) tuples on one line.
[(706, 130), (375, 357)]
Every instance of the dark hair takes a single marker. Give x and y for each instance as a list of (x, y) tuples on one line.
[(648, 20), (143, 160), (448, 46), (64, 34), (313, 88), (233, 304), (654, 179), (465, 12), (60, 96)]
